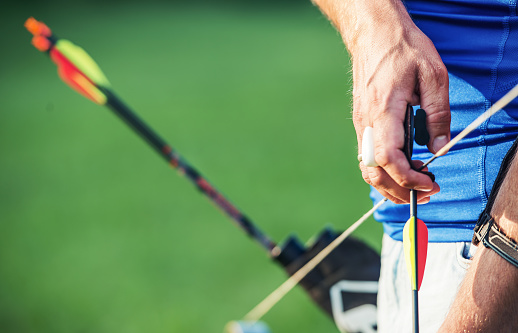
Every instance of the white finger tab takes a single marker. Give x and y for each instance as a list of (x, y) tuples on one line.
[(368, 147)]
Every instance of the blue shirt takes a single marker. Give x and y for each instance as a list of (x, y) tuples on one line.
[(478, 43)]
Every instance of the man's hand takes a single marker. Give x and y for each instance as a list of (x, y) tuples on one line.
[(394, 64)]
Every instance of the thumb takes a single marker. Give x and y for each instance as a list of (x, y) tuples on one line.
[(434, 99)]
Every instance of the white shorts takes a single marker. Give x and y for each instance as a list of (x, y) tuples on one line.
[(446, 266)]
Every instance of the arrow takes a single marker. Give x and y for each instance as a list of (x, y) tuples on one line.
[(415, 242), (415, 232), (77, 69)]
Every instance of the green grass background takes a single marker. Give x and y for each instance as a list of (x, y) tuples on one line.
[(98, 234)]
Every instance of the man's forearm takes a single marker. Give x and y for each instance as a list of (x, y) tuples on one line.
[(488, 298), (354, 18)]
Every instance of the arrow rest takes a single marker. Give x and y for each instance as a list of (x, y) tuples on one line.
[(415, 125), (421, 135)]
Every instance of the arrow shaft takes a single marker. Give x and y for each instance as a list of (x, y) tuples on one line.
[(177, 162), (415, 293), (415, 317)]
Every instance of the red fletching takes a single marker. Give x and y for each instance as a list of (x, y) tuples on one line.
[(409, 243), (422, 250), (76, 79)]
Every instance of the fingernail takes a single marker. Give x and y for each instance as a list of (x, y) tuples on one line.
[(424, 189), (439, 142)]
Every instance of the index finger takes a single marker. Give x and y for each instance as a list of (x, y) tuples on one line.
[(389, 143)]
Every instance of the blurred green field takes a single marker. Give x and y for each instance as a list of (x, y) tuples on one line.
[(98, 234)]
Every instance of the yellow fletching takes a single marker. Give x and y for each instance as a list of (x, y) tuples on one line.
[(82, 61), (409, 247)]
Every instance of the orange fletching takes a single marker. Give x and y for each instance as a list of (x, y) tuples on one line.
[(41, 43), (37, 28)]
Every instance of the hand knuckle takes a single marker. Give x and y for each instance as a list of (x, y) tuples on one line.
[(437, 71), (441, 71), (383, 157), (440, 116), (405, 182), (376, 178)]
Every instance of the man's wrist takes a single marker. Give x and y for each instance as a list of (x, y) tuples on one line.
[(376, 22), (358, 20)]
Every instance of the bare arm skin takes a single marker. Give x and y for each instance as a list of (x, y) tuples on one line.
[(394, 64), (488, 297)]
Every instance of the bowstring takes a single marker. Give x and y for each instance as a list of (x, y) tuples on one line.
[(273, 298)]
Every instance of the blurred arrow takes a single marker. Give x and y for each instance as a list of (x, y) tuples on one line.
[(80, 72)]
